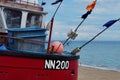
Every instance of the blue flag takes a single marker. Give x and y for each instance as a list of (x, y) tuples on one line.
[(43, 3), (84, 16), (57, 1), (110, 23)]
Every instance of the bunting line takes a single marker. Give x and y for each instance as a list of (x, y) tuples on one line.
[(89, 8), (107, 25)]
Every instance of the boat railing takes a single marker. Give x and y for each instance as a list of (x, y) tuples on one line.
[(5, 38), (22, 4)]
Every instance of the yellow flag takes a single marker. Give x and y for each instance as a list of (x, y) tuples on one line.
[(91, 6), (48, 25)]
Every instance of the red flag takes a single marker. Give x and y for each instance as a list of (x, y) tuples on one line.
[(91, 6)]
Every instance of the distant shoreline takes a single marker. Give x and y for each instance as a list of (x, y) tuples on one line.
[(101, 68)]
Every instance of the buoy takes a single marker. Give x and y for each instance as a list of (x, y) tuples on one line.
[(56, 47)]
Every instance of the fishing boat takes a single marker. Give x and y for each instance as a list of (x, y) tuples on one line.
[(23, 52)]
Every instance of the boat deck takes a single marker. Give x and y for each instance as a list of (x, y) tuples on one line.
[(36, 55)]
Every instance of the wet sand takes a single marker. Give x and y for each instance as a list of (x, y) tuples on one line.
[(86, 73)]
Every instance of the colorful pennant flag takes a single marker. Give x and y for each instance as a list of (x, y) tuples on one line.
[(110, 23), (48, 25), (56, 2), (84, 16), (91, 6), (43, 3)]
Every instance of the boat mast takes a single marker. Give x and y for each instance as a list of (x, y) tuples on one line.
[(51, 25)]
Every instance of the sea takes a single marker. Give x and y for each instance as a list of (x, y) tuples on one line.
[(98, 54)]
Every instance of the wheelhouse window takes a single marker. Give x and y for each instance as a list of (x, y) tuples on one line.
[(13, 18), (34, 20)]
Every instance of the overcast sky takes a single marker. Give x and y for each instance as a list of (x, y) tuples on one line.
[(69, 16)]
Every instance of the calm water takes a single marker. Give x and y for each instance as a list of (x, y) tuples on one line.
[(99, 54)]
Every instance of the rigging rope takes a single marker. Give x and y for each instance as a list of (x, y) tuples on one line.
[(108, 24)]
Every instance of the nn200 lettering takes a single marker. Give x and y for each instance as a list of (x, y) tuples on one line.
[(56, 64)]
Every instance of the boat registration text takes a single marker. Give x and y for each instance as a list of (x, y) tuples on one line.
[(56, 64)]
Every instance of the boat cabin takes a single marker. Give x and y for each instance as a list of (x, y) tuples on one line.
[(21, 14), (23, 23)]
